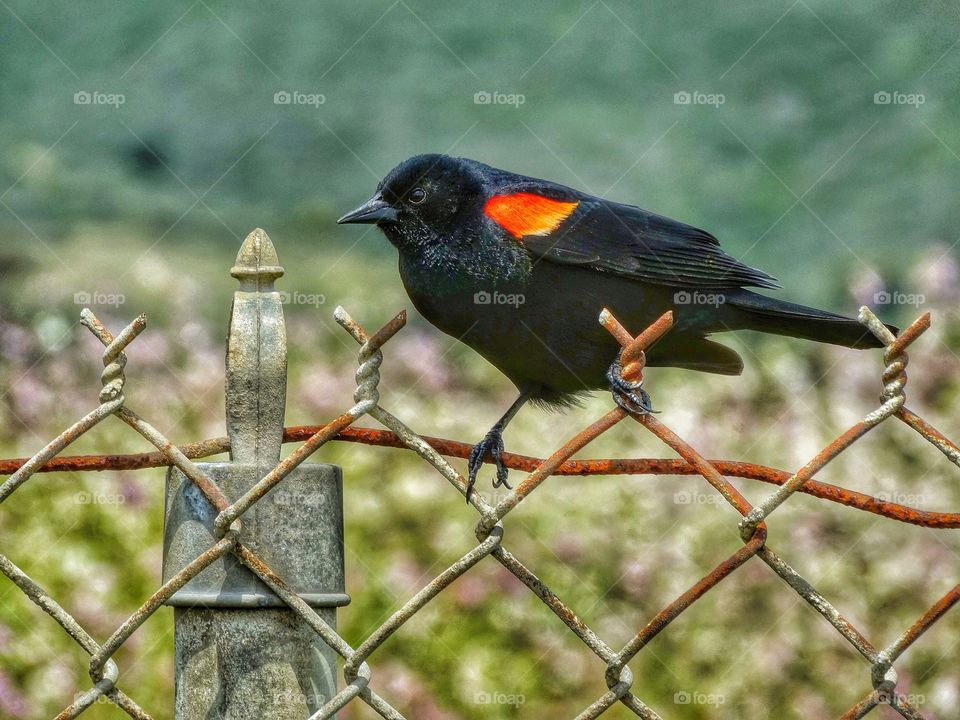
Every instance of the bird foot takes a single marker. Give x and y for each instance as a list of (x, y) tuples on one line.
[(628, 394), (492, 445)]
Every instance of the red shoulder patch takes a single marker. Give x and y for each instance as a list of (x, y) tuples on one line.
[(527, 213)]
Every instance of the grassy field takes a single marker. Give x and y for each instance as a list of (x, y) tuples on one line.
[(799, 161)]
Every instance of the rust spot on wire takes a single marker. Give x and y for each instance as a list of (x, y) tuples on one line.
[(909, 334), (377, 340)]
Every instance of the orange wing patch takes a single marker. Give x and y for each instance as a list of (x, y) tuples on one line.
[(528, 214)]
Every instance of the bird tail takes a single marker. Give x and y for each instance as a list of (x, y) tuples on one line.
[(766, 314)]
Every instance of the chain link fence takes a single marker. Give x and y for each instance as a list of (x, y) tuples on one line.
[(230, 539)]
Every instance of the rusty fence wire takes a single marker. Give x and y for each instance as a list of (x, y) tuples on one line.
[(490, 528)]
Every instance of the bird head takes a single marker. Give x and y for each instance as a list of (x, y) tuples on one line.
[(424, 201)]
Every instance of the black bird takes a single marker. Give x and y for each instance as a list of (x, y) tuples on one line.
[(519, 269)]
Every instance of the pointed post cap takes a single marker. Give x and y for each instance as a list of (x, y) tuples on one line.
[(257, 261)]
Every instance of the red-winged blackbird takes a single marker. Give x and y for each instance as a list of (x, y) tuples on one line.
[(520, 268)]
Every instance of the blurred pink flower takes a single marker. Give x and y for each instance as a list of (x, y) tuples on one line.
[(406, 575), (407, 691), (865, 285), (16, 343), (937, 274), (13, 703), (132, 490), (471, 591), (150, 349), (507, 583), (568, 547), (30, 398), (635, 577), (421, 355), (325, 390)]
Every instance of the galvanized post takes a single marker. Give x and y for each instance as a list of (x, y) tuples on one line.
[(240, 653)]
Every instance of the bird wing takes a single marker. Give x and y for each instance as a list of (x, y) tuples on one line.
[(565, 226)]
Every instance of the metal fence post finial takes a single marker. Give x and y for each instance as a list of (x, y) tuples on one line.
[(256, 373), (240, 652)]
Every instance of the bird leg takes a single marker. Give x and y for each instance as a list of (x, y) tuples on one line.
[(492, 445), (628, 394)]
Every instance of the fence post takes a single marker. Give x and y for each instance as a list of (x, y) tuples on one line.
[(240, 653)]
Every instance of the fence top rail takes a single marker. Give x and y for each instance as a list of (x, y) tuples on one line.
[(515, 461)]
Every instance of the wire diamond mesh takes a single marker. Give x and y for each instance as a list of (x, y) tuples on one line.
[(490, 529)]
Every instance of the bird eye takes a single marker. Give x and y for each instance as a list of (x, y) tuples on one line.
[(417, 195)]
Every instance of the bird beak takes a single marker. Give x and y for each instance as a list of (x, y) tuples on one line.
[(375, 210)]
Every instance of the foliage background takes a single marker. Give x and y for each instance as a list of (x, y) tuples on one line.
[(798, 171)]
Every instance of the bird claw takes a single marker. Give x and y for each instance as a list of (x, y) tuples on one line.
[(492, 445), (628, 394)]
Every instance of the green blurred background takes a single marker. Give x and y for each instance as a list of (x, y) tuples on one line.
[(140, 142)]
